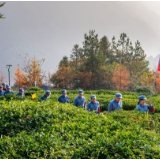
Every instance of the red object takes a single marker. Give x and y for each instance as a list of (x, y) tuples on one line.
[(85, 102), (152, 110), (159, 66), (99, 110)]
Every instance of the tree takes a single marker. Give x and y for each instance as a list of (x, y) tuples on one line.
[(120, 78), (105, 48), (122, 49), (106, 74), (63, 77), (2, 78), (99, 64), (33, 69), (76, 62), (20, 78), (1, 5), (148, 79), (132, 57), (137, 65), (64, 62), (85, 80), (94, 57)]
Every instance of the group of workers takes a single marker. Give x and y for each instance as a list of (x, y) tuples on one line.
[(6, 89), (115, 104), (93, 105)]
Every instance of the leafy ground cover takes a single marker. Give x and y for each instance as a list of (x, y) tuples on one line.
[(130, 99), (33, 129)]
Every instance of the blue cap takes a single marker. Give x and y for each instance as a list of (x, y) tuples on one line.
[(21, 90), (93, 96), (142, 97), (8, 87), (118, 95), (1, 86), (48, 92), (64, 91), (80, 92)]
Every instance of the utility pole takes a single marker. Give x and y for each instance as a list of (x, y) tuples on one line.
[(9, 66)]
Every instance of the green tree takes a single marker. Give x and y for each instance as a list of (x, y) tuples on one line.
[(1, 5), (132, 57), (64, 62), (122, 49), (94, 57), (106, 74), (76, 62), (105, 47), (99, 64), (137, 65)]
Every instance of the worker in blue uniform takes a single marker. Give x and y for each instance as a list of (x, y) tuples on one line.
[(93, 105), (9, 91), (4, 86), (63, 98), (80, 100), (115, 104), (1, 91), (46, 95), (142, 106), (20, 93)]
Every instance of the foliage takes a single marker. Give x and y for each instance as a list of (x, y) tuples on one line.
[(30, 129), (148, 79), (2, 78), (63, 77), (144, 89), (20, 78), (35, 89), (120, 78), (34, 72), (1, 5), (95, 64)]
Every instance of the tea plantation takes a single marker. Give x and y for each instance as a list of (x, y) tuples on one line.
[(48, 129)]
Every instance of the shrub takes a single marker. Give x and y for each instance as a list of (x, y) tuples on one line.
[(37, 89), (143, 89), (51, 130)]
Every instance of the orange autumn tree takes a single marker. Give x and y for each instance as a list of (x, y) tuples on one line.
[(148, 79), (33, 69), (34, 73), (20, 78), (120, 78), (2, 78), (85, 79), (64, 76)]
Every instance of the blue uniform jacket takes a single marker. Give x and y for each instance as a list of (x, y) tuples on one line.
[(44, 98), (144, 108), (79, 101), (113, 105), (11, 92), (93, 106), (20, 95), (2, 93), (63, 99)]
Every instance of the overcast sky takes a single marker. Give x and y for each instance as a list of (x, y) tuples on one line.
[(153, 6), (50, 29)]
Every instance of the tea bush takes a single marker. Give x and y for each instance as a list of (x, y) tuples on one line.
[(130, 99), (48, 129), (31, 129)]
